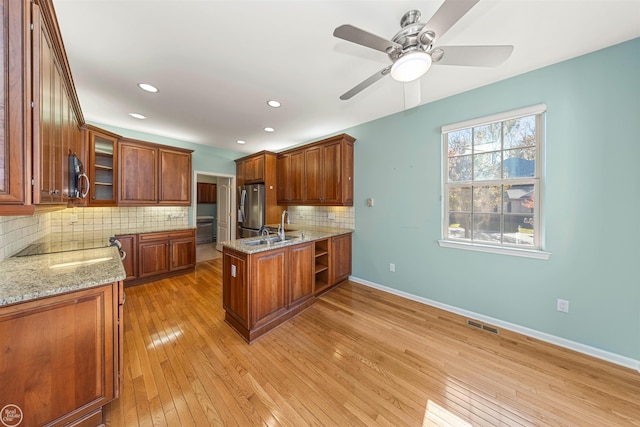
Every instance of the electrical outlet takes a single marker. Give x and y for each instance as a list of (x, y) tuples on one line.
[(74, 218), (392, 267), (563, 305), (331, 216)]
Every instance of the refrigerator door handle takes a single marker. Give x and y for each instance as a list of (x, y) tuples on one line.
[(241, 211)]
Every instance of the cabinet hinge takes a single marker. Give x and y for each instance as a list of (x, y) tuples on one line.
[(33, 181), (31, 26), (32, 104)]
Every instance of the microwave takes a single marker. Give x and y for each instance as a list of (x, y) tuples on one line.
[(77, 178)]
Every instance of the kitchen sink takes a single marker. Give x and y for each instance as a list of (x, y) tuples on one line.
[(265, 240)]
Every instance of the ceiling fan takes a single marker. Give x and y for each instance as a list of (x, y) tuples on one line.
[(412, 49)]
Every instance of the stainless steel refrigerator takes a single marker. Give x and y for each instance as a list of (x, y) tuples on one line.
[(251, 210)]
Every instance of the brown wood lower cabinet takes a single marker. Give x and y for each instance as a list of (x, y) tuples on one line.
[(264, 289), (340, 258), (269, 291), (62, 358), (129, 254), (301, 273), (158, 255)]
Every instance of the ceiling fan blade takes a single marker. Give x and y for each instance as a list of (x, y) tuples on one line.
[(471, 56), (412, 94), (365, 84), (356, 35), (448, 14)]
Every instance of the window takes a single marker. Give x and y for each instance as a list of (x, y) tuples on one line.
[(492, 171)]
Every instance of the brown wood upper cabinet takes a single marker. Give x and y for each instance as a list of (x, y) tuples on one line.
[(260, 168), (103, 166), (256, 169), (291, 177), (251, 169), (151, 174), (15, 168), (320, 173), (207, 193), (56, 132)]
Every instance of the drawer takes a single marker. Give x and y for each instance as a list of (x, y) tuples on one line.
[(180, 234)]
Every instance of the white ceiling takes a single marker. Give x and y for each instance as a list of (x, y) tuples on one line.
[(217, 63)]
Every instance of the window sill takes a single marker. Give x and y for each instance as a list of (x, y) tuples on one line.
[(526, 253)]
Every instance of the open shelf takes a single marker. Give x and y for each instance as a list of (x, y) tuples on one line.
[(321, 254), (103, 168)]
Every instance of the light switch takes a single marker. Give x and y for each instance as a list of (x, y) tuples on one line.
[(370, 202), (233, 271)]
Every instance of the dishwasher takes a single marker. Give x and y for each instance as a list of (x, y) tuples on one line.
[(204, 226)]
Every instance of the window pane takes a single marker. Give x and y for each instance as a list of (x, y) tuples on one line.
[(459, 142), (483, 203), (520, 163), (486, 138), (520, 132), (487, 166), (486, 227), (459, 169), (460, 199), (519, 199), (459, 226), (519, 230), (487, 199)]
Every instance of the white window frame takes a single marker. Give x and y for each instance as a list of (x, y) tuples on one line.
[(538, 248)]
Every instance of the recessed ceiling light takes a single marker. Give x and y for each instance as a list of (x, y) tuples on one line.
[(241, 141), (274, 104), (137, 116), (268, 129), (148, 87)]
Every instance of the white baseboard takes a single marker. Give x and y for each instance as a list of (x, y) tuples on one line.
[(572, 345)]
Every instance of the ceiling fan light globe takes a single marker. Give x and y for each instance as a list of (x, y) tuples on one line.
[(411, 66)]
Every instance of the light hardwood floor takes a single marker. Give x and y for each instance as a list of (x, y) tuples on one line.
[(358, 356)]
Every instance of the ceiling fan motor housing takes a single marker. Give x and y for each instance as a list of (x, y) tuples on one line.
[(408, 38)]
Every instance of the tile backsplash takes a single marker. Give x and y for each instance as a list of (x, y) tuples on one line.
[(106, 219), (17, 232), (323, 216)]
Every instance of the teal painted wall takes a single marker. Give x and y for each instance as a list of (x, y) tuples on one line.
[(591, 204), (204, 158)]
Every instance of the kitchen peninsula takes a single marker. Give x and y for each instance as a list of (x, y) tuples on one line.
[(266, 283)]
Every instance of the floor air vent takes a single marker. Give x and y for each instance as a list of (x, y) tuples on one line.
[(474, 324), (483, 327)]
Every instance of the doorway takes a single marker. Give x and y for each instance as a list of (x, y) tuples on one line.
[(213, 216)]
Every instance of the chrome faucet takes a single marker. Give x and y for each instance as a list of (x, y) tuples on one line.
[(281, 226), (264, 231)]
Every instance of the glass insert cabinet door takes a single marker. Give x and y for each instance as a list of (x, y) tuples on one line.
[(102, 161)]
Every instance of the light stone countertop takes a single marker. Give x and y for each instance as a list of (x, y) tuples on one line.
[(310, 234), (31, 277)]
